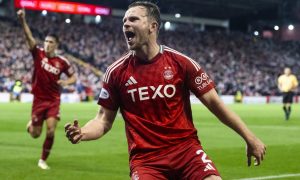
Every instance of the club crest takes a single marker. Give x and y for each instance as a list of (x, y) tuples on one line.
[(168, 73)]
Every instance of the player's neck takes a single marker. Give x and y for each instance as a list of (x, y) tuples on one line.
[(51, 54), (148, 52)]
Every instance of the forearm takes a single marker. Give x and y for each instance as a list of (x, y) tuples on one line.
[(226, 116), (71, 80), (232, 120), (94, 129), (98, 126), (28, 34), (255, 146)]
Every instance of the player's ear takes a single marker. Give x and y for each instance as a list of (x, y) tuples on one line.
[(153, 26), (56, 44)]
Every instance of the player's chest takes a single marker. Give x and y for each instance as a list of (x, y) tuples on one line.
[(150, 82), (50, 65)]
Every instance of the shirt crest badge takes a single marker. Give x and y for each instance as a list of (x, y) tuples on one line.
[(168, 73)]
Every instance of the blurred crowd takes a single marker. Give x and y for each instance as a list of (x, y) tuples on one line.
[(236, 61)]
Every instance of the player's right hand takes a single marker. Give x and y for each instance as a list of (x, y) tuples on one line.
[(21, 13), (257, 149), (73, 132)]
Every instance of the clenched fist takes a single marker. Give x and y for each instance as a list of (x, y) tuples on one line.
[(73, 132), (21, 13)]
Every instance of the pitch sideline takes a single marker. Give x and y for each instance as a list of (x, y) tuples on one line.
[(271, 177)]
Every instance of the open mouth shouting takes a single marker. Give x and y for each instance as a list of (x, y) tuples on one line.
[(129, 37)]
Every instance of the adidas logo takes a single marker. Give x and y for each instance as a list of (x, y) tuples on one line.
[(209, 167), (130, 81)]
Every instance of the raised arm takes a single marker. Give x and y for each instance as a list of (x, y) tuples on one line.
[(94, 129), (28, 34), (255, 147)]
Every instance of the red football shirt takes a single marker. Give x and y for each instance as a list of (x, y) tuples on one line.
[(46, 73), (154, 98)]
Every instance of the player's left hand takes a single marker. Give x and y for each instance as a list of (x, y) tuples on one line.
[(21, 13), (62, 82), (257, 149), (73, 132)]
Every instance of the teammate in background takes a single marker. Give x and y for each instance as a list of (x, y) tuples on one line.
[(151, 85), (287, 84), (46, 85)]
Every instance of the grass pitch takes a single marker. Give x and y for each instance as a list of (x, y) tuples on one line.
[(107, 158)]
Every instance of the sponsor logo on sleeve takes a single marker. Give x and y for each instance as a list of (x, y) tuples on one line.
[(104, 94), (202, 81)]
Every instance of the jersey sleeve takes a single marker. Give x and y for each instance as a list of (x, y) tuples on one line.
[(67, 67), (109, 96), (198, 80), (69, 70), (295, 81), (279, 80)]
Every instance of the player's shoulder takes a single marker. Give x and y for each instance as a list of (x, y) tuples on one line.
[(37, 48), (294, 77), (281, 77), (173, 52), (63, 58), (120, 61), (181, 58), (37, 51), (114, 67)]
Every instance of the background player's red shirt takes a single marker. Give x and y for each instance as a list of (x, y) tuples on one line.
[(46, 73), (154, 98)]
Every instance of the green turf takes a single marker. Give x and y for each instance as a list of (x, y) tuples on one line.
[(107, 159)]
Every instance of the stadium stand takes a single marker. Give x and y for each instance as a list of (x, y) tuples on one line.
[(238, 61)]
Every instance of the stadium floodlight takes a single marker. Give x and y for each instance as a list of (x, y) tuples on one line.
[(177, 15), (98, 19), (256, 33), (276, 28), (291, 27), (44, 12), (68, 21), (167, 25)]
